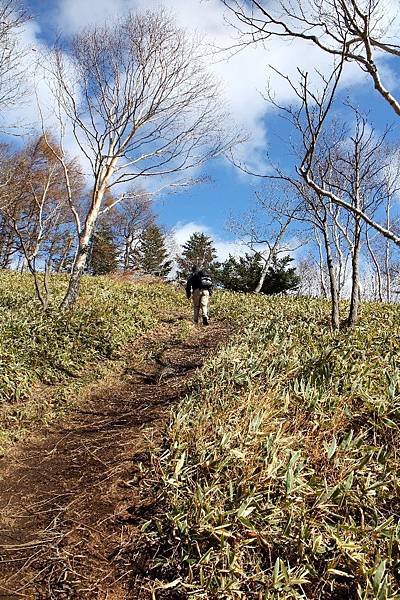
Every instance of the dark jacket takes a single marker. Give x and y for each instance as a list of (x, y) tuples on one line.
[(194, 283)]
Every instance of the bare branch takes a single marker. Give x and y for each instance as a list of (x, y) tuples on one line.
[(141, 104)]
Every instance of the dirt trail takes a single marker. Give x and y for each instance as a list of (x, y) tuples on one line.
[(71, 498)]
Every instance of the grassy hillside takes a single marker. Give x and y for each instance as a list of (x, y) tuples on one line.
[(282, 467), (56, 347)]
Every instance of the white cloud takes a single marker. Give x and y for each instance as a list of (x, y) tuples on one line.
[(72, 15), (182, 232), (243, 77), (37, 103)]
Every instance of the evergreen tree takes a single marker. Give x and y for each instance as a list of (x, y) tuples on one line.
[(242, 274), (238, 274), (152, 254), (198, 250), (104, 251), (280, 278)]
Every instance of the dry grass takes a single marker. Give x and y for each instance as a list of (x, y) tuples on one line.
[(46, 358), (72, 497), (281, 469)]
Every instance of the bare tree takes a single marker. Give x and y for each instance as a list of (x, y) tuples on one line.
[(378, 284), (265, 230), (131, 217), (356, 30), (141, 104), (324, 221), (127, 220), (7, 243), (391, 189), (309, 271), (310, 118), (383, 256), (321, 218), (354, 170), (347, 30), (12, 18), (7, 236), (352, 166), (12, 72), (358, 171), (33, 205)]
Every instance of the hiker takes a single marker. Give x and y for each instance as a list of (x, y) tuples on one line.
[(199, 286)]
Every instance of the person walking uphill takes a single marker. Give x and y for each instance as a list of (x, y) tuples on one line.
[(199, 287)]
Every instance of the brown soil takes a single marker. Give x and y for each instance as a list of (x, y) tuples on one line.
[(73, 497)]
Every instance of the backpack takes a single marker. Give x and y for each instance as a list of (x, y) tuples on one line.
[(205, 282)]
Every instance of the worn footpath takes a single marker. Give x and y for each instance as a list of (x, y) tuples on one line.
[(72, 498)]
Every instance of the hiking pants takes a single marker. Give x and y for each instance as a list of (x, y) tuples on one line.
[(200, 301)]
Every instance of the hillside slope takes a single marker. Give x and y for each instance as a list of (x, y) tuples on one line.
[(47, 358), (281, 470), (73, 495), (278, 474)]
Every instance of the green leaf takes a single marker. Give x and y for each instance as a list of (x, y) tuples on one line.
[(275, 573), (289, 480), (378, 577), (332, 448), (248, 524), (349, 481)]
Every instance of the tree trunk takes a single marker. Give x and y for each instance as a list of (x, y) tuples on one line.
[(334, 291), (355, 278), (263, 274), (82, 254), (388, 273), (78, 269), (86, 234), (377, 268), (43, 296), (126, 255), (320, 258), (127, 251), (387, 259)]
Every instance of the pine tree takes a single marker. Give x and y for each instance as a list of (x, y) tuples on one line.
[(104, 251), (239, 274), (198, 250), (152, 254), (280, 277), (242, 274)]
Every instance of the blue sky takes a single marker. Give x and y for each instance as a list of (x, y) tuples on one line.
[(208, 206)]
